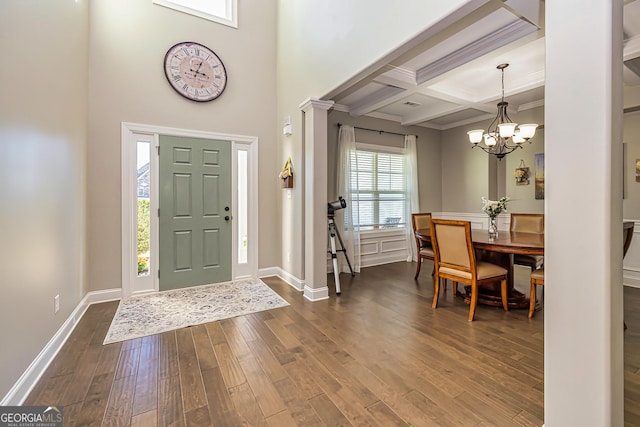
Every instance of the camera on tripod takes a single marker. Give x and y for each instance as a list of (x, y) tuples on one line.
[(336, 206), (333, 232)]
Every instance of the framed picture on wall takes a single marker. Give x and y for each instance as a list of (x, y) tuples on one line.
[(521, 174), (539, 182)]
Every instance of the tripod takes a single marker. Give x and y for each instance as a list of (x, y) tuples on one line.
[(333, 232)]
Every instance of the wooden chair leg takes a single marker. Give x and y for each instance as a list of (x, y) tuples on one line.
[(532, 299), (503, 293), (474, 301), (418, 268), (436, 291)]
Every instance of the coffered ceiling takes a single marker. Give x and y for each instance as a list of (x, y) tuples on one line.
[(451, 79)]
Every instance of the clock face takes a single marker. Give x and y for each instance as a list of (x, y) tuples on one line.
[(195, 71)]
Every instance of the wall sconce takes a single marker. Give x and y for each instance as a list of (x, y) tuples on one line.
[(287, 129)]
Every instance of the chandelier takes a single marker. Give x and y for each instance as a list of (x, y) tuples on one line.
[(502, 137)]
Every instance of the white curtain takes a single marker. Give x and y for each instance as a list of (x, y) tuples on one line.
[(347, 217), (413, 203)]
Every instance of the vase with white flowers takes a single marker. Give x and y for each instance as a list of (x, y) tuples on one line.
[(493, 208)]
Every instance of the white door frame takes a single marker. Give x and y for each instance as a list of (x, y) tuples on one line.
[(131, 133)]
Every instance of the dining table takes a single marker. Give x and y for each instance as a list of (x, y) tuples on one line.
[(499, 250)]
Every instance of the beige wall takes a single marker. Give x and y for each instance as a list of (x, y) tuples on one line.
[(322, 45), (468, 174), (127, 84), (43, 82)]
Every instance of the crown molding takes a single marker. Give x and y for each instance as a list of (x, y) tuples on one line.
[(315, 103), (503, 36)]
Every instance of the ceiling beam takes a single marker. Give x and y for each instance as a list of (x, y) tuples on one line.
[(505, 35)]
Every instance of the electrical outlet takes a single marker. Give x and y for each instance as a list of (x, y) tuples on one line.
[(56, 304)]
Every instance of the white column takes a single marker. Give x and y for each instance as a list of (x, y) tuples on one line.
[(583, 360), (315, 198)]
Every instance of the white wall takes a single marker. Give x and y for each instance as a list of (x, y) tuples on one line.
[(43, 116), (127, 84), (322, 45)]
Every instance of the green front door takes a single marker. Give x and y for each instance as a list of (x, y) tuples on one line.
[(195, 211)]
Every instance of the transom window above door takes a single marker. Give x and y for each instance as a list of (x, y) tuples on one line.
[(221, 11)]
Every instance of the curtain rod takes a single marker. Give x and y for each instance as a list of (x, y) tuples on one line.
[(378, 131)]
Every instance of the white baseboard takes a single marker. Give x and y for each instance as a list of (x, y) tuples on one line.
[(21, 389), (316, 294), (631, 277), (293, 281)]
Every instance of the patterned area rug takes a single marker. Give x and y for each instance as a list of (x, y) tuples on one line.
[(169, 310)]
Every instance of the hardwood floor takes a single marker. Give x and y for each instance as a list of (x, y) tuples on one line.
[(376, 355)]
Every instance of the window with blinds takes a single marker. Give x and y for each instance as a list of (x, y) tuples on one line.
[(379, 196)]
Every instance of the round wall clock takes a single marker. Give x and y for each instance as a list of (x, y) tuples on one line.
[(195, 71)]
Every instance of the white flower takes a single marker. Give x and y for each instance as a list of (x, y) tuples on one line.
[(493, 207)]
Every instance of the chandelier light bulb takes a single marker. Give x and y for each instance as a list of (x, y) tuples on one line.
[(527, 131), (475, 136), (517, 138), (507, 129), (489, 140)]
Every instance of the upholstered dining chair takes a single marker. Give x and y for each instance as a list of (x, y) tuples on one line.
[(455, 259), (537, 278), (425, 251), (527, 223)]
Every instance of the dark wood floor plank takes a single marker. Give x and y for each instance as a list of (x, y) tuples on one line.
[(431, 411), (268, 360), (329, 412), (257, 323), (193, 395), (298, 407), (247, 405), (128, 363), (204, 348), (323, 352), (109, 357), (167, 355), (305, 384), (146, 419), (146, 387), (345, 398), (385, 416), (227, 360), (170, 408), (263, 389), (376, 355), (283, 419), (120, 406), (95, 404), (198, 418), (391, 401), (222, 411), (235, 339), (52, 392), (278, 327)]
